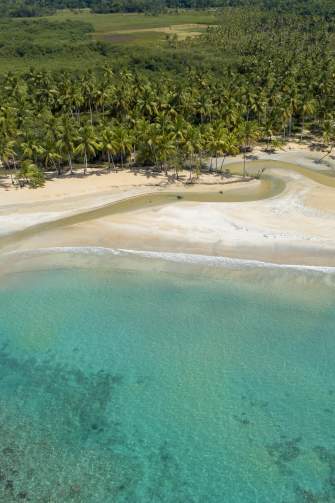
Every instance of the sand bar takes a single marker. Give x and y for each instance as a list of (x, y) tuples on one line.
[(296, 224)]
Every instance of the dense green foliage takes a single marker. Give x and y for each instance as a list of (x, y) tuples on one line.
[(31, 8), (83, 40), (255, 76), (42, 37), (304, 7)]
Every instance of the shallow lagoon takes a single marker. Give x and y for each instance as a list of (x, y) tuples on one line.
[(147, 386)]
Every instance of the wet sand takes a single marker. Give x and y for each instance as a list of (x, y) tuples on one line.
[(286, 217)]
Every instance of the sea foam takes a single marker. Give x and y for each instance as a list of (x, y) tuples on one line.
[(186, 258)]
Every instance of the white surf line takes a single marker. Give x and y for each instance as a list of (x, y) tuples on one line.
[(213, 260), (186, 258)]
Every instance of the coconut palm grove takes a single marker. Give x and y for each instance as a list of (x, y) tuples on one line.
[(258, 74)]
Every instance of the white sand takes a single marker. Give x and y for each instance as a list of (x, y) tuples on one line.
[(297, 226)]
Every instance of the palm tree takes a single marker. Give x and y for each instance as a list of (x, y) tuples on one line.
[(329, 136), (30, 174), (109, 144), (190, 144), (53, 157), (230, 146), (88, 88), (8, 153), (216, 142), (268, 132), (52, 136), (328, 131), (308, 108), (248, 132), (166, 149), (31, 148), (124, 142), (67, 139), (87, 144)]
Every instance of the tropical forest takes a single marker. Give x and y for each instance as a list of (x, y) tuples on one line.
[(81, 96)]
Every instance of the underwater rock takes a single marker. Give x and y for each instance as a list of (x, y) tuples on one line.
[(74, 489), (22, 495), (7, 451), (285, 451), (305, 496), (9, 485), (242, 420)]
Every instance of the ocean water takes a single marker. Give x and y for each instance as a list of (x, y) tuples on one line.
[(143, 386)]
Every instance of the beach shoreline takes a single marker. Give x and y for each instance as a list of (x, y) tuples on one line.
[(296, 226)]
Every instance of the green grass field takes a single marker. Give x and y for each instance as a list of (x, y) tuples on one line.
[(114, 23), (140, 29), (67, 39)]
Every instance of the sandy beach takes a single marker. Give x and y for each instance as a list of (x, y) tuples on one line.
[(295, 225)]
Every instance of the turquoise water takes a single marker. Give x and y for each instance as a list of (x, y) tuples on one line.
[(143, 387)]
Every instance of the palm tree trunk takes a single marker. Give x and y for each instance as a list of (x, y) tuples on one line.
[(191, 168), (109, 160), (85, 163), (221, 167), (70, 163), (113, 163), (91, 113), (302, 127), (14, 162)]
